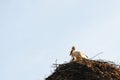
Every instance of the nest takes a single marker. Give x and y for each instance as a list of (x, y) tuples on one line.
[(86, 70)]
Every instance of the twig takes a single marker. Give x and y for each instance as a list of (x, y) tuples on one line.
[(96, 55)]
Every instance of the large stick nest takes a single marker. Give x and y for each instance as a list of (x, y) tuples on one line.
[(86, 70)]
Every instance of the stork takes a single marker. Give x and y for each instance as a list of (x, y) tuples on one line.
[(77, 55)]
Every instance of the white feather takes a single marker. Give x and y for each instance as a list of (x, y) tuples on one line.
[(77, 55)]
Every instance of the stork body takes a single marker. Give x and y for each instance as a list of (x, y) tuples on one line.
[(77, 55)]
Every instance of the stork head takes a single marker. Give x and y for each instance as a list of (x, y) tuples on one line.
[(73, 48)]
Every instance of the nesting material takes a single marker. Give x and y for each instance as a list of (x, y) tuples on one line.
[(86, 70)]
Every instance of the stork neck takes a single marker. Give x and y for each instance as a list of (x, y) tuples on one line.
[(72, 51)]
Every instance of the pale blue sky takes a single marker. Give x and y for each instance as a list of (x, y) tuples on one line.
[(34, 33)]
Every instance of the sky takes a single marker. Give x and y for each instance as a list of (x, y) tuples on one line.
[(36, 33)]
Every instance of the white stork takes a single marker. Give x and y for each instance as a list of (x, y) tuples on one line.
[(77, 55)]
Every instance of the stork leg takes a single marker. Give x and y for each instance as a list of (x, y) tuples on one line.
[(74, 58)]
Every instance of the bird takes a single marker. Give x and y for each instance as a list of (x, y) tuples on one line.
[(77, 55)]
